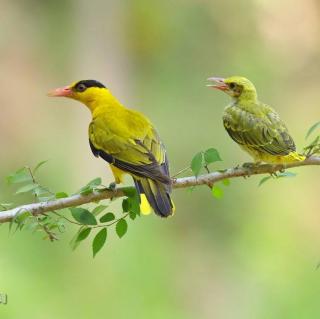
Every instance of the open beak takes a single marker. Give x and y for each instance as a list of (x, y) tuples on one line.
[(64, 91), (218, 84)]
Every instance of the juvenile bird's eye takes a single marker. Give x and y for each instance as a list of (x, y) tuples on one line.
[(232, 85), (80, 87)]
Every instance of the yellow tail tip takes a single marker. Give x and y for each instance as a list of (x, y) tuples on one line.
[(145, 208), (297, 157), (173, 207)]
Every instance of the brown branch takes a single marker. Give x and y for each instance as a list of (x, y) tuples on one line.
[(184, 182)]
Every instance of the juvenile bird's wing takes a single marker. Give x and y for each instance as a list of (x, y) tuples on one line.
[(263, 131), (131, 144)]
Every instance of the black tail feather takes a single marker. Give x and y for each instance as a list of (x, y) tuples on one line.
[(158, 195)]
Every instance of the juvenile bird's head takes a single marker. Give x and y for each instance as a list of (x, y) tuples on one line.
[(237, 87), (86, 91)]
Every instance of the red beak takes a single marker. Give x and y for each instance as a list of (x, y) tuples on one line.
[(219, 84), (64, 91)]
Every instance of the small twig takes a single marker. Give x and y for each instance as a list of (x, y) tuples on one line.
[(207, 169), (51, 235), (181, 171), (90, 226), (66, 218), (31, 174)]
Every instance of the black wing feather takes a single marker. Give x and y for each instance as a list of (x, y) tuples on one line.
[(152, 170)]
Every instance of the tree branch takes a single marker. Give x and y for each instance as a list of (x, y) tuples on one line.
[(207, 179)]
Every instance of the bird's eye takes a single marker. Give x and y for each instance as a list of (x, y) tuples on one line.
[(232, 85), (81, 87)]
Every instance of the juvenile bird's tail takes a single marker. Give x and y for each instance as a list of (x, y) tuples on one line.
[(295, 157), (157, 194)]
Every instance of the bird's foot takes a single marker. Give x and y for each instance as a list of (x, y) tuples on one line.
[(278, 169), (251, 165), (112, 186), (283, 169)]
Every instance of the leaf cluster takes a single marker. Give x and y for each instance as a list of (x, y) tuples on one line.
[(87, 220)]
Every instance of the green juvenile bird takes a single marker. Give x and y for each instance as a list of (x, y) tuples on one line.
[(255, 126)]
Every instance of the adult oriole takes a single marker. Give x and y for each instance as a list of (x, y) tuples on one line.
[(128, 141)]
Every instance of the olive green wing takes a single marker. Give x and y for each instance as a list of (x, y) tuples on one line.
[(143, 155), (264, 132)]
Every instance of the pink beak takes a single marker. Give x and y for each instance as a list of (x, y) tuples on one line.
[(64, 91), (219, 84)]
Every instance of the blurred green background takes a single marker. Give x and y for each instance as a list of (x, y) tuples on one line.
[(252, 254)]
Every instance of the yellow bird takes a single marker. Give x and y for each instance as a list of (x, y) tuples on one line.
[(128, 141)]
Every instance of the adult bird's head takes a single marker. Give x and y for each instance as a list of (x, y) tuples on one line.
[(86, 91), (237, 87)]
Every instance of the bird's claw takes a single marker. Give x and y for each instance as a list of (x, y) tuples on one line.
[(250, 165), (112, 186)]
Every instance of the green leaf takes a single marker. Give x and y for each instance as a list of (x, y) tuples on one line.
[(125, 205), (226, 182), (211, 155), (20, 176), (39, 165), (22, 217), (99, 209), (130, 191), (61, 195), (43, 194), (264, 179), (121, 227), (286, 174), (197, 163), (83, 216), (86, 190), (108, 217), (74, 243), (191, 189), (99, 240), (6, 206), (134, 204), (217, 192), (83, 234), (19, 219), (95, 182), (132, 215), (89, 188), (53, 226), (314, 143), (312, 129), (27, 188), (280, 175)]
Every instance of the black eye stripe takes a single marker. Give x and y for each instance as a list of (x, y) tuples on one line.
[(82, 85), (232, 85)]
